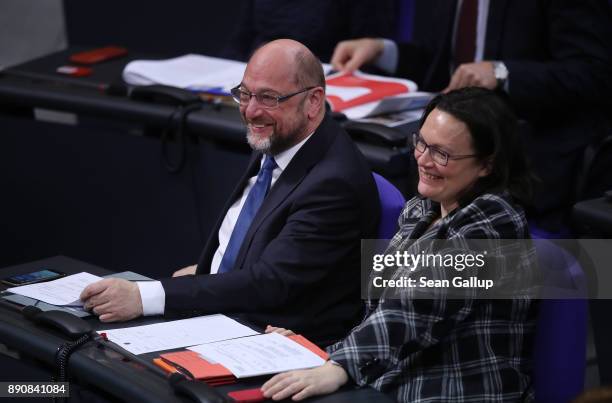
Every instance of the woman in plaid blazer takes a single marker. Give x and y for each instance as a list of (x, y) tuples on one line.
[(472, 178)]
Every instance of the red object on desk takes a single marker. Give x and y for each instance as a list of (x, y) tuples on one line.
[(98, 55), (212, 374), (247, 395)]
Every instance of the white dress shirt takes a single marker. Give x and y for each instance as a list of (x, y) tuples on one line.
[(152, 293)]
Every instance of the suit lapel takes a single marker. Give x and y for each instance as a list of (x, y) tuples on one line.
[(495, 29), (310, 153)]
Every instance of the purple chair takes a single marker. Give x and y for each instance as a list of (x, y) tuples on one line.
[(391, 204), (560, 341)]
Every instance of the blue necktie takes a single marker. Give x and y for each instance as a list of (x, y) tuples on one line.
[(249, 209)]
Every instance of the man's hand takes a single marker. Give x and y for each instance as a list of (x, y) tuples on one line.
[(479, 74), (185, 271), (305, 383), (113, 299), (351, 55)]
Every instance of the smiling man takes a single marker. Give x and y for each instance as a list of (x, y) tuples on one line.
[(286, 248)]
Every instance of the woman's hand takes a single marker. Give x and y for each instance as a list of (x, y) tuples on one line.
[(305, 383), (281, 330)]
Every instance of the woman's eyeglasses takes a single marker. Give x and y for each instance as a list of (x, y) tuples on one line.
[(438, 156)]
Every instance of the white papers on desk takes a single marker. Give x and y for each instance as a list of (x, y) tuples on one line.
[(64, 291), (177, 333), (259, 355), (191, 71)]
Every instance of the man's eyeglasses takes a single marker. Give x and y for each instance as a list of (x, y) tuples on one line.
[(266, 99), (438, 156)]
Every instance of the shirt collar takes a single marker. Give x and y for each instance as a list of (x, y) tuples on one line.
[(284, 158)]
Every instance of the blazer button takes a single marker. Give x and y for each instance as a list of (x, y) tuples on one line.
[(368, 366)]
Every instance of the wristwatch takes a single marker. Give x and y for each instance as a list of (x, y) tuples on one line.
[(501, 74)]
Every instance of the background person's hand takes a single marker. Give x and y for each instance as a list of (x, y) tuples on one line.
[(185, 271), (113, 299), (352, 54), (481, 74), (281, 330), (305, 383)]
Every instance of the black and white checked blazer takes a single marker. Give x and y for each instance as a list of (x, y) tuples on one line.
[(443, 350)]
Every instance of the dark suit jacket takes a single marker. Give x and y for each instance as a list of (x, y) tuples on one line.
[(298, 266), (318, 24), (559, 60)]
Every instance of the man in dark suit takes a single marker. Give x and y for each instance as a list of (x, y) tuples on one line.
[(318, 24), (552, 59), (293, 257)]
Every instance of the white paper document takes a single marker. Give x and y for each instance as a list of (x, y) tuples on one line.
[(191, 71), (259, 355), (64, 291), (177, 333)]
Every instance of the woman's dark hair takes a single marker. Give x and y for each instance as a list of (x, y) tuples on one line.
[(494, 130)]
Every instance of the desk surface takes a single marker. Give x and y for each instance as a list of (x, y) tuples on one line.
[(593, 217), (35, 84), (104, 369)]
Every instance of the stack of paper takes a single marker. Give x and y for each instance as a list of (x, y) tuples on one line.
[(177, 333), (359, 95), (263, 354), (195, 72), (223, 362), (64, 291)]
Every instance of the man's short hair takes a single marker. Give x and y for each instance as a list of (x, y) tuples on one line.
[(309, 71)]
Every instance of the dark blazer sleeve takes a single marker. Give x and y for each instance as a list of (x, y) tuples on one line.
[(574, 67)]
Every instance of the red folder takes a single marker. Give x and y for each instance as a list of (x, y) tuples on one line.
[(212, 374), (217, 374), (378, 89)]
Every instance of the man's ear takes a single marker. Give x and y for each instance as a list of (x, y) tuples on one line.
[(316, 101)]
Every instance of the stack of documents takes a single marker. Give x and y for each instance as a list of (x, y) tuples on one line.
[(194, 72), (359, 95), (222, 362), (177, 333), (62, 292)]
